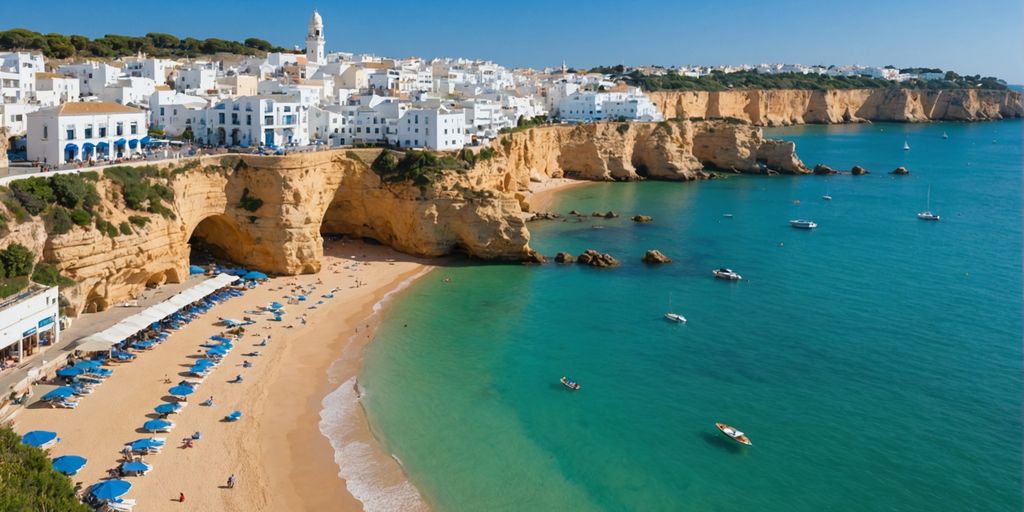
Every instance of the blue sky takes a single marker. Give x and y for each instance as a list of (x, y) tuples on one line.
[(984, 37)]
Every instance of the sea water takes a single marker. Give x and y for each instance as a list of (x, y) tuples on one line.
[(875, 362)]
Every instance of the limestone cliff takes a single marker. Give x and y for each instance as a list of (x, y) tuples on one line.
[(3, 147), (791, 106)]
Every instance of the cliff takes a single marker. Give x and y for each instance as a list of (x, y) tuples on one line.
[(790, 106), (271, 212)]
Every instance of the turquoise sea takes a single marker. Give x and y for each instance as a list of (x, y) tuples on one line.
[(875, 362)]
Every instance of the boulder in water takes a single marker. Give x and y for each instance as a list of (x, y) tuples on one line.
[(655, 256), (823, 170), (642, 219), (564, 257), (596, 259), (859, 171), (900, 171)]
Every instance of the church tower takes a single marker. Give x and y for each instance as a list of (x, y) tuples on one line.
[(315, 40)]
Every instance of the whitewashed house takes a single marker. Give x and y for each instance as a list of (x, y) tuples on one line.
[(432, 128), (173, 111), (263, 120), (157, 70), (196, 79), (18, 75), (52, 89), (84, 131), (92, 76), (589, 106), (29, 321)]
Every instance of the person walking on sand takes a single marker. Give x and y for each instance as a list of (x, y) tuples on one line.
[(181, 497), (231, 481)]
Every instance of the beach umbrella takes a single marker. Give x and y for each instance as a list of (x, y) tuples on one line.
[(135, 467), (39, 438), (69, 464), (110, 489), (61, 392), (205, 362), (180, 390), (167, 408), (88, 363), (276, 305), (196, 269), (220, 349), (143, 444), (155, 425), (255, 276), (70, 371)]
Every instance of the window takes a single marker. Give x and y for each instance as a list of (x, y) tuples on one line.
[(134, 128), (103, 131), (46, 131), (161, 111), (234, 119), (119, 129), (268, 119), (287, 109), (88, 131), (71, 133), (220, 118), (248, 119)]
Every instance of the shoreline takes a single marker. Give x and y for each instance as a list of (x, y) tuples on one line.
[(543, 194)]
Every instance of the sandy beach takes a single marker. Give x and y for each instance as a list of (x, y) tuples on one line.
[(276, 451), (543, 193)]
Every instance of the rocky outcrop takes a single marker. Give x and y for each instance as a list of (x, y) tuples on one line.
[(564, 257), (859, 171), (790, 106), (596, 259), (654, 256), (642, 219), (607, 215), (4, 146), (543, 216), (900, 171), (824, 170)]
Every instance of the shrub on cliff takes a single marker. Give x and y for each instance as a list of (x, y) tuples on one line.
[(48, 275), (138, 220), (59, 221), (17, 260), (81, 217), (73, 191), (139, 191), (29, 481), (249, 202), (34, 194), (418, 167)]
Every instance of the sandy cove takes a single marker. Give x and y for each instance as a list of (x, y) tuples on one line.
[(276, 451)]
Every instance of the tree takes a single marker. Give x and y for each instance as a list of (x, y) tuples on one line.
[(259, 44), (17, 260), (29, 481), (60, 46), (187, 134)]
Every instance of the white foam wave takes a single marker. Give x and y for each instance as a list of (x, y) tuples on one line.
[(357, 462)]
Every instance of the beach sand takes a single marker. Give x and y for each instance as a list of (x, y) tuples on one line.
[(542, 194), (280, 458)]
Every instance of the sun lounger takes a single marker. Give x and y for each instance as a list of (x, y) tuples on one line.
[(64, 403)]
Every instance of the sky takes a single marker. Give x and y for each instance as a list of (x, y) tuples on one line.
[(971, 37)]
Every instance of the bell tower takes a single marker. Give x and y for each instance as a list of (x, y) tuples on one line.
[(315, 40)]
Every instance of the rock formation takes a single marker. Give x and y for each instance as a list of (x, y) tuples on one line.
[(780, 107), (4, 146), (899, 171), (596, 259), (642, 219), (824, 170), (607, 215), (655, 256), (564, 257), (859, 171)]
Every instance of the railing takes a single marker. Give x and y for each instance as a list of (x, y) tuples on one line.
[(31, 292)]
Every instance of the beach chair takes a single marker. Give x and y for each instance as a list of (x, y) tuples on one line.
[(118, 505), (234, 416), (64, 403)]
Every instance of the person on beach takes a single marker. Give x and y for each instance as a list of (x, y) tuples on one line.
[(231, 481), (181, 497)]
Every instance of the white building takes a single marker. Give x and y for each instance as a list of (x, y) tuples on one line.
[(154, 69), (18, 75), (14, 117), (315, 40), (432, 128), (52, 89), (29, 321), (84, 131), (266, 120), (589, 106), (130, 90), (92, 76), (196, 79), (173, 111)]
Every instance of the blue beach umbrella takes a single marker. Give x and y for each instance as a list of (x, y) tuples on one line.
[(135, 467), (167, 408), (69, 464), (143, 444), (196, 269), (221, 349), (155, 425), (70, 371), (110, 489), (254, 275), (88, 363), (61, 392), (276, 305), (38, 438), (180, 390)]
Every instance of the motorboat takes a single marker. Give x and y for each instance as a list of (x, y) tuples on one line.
[(734, 434), (803, 224), (675, 317), (927, 213), (726, 274), (827, 196), (569, 383), (727, 215)]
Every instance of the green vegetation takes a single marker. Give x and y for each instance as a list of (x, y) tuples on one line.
[(59, 46), (622, 128), (419, 167), (138, 220), (29, 482), (526, 123), (10, 286), (16, 260), (139, 190), (59, 221), (720, 81), (124, 228), (48, 275), (81, 217), (63, 199), (106, 228), (249, 202)]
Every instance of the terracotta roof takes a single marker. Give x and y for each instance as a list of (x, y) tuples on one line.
[(43, 76), (162, 87), (94, 107)]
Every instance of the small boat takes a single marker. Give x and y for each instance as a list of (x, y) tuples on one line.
[(726, 274), (827, 196), (727, 215), (734, 434), (674, 317), (927, 213), (569, 383), (945, 135), (906, 146), (803, 224)]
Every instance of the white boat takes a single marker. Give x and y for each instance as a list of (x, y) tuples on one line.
[(945, 135), (803, 224), (674, 317), (726, 274), (906, 146), (827, 196), (927, 213), (727, 215), (733, 433)]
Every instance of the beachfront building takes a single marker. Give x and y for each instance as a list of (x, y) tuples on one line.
[(84, 131), (437, 128), (264, 120), (28, 321), (590, 106)]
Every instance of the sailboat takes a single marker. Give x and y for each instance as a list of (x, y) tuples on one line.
[(906, 145), (945, 135), (674, 317), (827, 196), (927, 213)]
